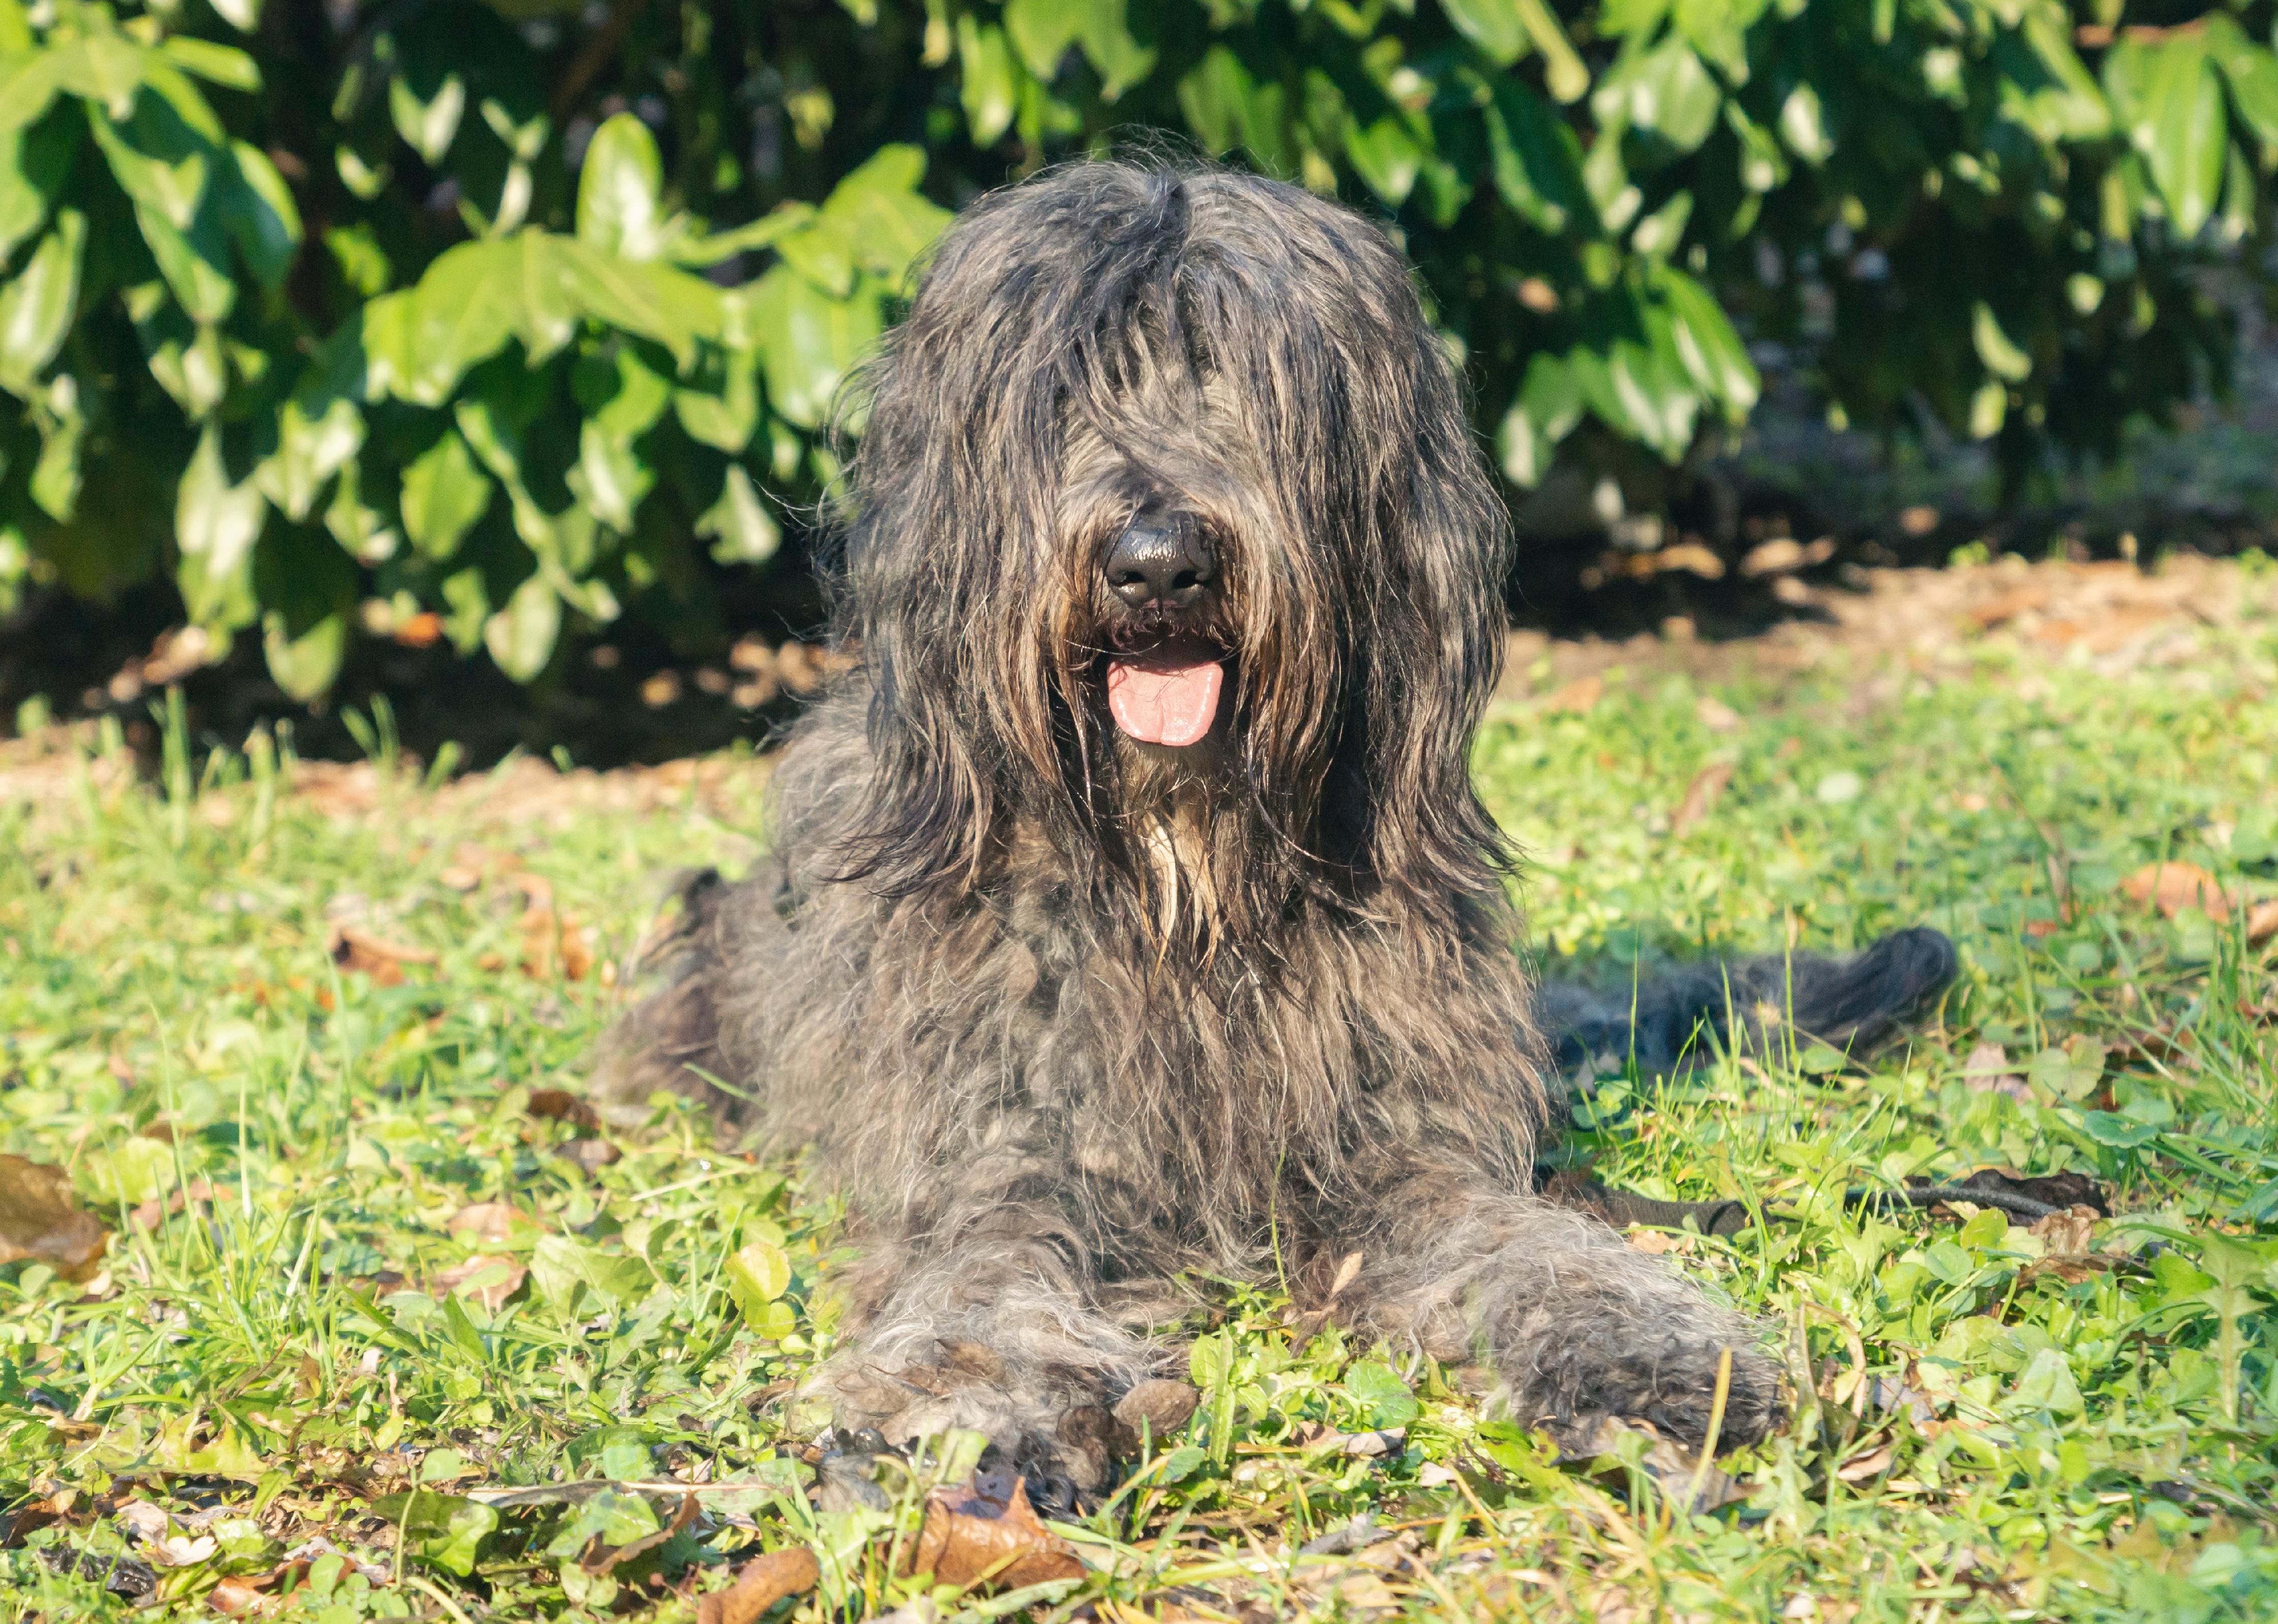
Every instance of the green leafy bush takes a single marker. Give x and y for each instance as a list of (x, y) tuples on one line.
[(521, 317)]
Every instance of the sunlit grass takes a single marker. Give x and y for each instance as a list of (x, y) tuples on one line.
[(1985, 1426)]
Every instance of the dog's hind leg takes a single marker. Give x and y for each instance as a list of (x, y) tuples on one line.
[(989, 1320), (1579, 1325)]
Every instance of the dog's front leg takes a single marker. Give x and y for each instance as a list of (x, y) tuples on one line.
[(1579, 1325), (988, 1319)]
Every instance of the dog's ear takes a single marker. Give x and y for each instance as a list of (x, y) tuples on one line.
[(1428, 653)]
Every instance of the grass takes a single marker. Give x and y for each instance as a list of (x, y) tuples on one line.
[(284, 1385)]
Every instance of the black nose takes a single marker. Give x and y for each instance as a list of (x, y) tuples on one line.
[(1160, 560)]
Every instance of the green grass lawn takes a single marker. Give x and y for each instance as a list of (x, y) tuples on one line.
[(287, 1391)]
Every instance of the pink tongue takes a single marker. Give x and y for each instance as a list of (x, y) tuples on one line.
[(1164, 705)]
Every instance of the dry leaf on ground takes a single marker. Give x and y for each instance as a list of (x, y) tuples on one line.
[(560, 1105), (1987, 1071), (762, 1582), (489, 1281), (1700, 795), (252, 1595), (359, 952), (1577, 697), (1716, 715), (491, 1222), (2262, 922), (39, 1220), (986, 1531), (2172, 887)]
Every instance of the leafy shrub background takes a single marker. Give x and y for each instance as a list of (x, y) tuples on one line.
[(524, 315)]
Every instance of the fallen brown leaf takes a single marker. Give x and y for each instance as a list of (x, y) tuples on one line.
[(1874, 1463), (149, 1215), (361, 953), (39, 1220), (1716, 715), (1159, 1405), (592, 1154), (250, 1596), (1987, 1071), (1577, 697), (2172, 887), (2262, 922), (1700, 795), (762, 1582), (560, 1105), (489, 1281), (985, 1531), (490, 1222)]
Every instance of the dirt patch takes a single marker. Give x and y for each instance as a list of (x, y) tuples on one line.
[(2043, 618)]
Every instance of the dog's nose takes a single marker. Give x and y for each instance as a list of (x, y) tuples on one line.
[(1160, 562)]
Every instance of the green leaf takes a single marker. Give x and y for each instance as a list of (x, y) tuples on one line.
[(1665, 90), (1562, 69), (613, 1517), (1120, 60), (1227, 107), (521, 638), (2046, 1383), (1536, 158), (1549, 404), (1803, 125), (823, 253), (1494, 26), (1384, 154), (258, 212), (1043, 31), (33, 166), (314, 442), (882, 215), (2250, 70), (989, 83), (807, 342), (2120, 1132), (215, 526), (304, 663), (55, 482), (610, 478), (727, 420), (1378, 1390), (217, 63), (157, 160), (2177, 125), (444, 493), (1995, 348), (620, 191), (757, 1274), (429, 124), (743, 531), (1706, 343), (36, 308), (446, 1530)]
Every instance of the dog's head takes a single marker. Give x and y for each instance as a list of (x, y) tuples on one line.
[(1169, 543)]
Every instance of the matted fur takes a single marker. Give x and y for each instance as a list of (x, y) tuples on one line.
[(1070, 1018)]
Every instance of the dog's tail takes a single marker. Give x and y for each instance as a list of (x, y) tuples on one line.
[(1684, 1018)]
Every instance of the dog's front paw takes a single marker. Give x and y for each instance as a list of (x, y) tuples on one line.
[(1604, 1362)]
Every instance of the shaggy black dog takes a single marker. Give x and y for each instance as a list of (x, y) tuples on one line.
[(1130, 917)]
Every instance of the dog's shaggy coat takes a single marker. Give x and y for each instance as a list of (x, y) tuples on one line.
[(1070, 1015)]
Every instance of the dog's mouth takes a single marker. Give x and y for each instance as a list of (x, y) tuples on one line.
[(1167, 691)]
